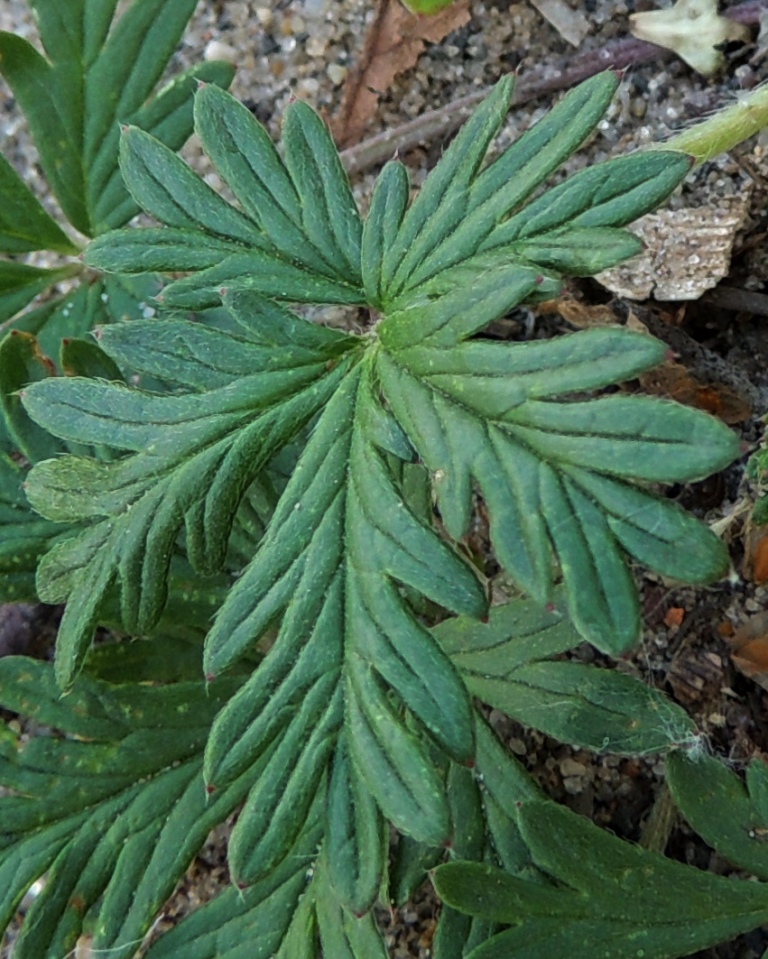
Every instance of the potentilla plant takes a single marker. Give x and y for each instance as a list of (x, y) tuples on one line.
[(314, 488)]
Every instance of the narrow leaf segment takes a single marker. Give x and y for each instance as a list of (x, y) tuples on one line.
[(608, 892)]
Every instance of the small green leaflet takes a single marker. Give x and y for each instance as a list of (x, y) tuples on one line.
[(608, 892), (506, 663), (728, 813), (442, 269)]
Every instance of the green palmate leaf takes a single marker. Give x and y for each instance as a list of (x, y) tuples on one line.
[(95, 76), (195, 455), (339, 537), (353, 712), (609, 892), (727, 812), (113, 812), (485, 410), (24, 224)]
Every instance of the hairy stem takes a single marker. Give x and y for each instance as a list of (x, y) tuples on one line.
[(723, 131)]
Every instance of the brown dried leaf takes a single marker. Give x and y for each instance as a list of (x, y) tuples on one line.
[(673, 381), (755, 567), (395, 41), (578, 313), (749, 648)]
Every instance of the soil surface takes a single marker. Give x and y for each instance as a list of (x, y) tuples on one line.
[(309, 50)]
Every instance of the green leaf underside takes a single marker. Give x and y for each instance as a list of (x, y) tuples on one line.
[(610, 892), (727, 812), (114, 817)]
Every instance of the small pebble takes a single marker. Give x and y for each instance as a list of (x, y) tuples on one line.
[(570, 767), (336, 73), (218, 50)]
